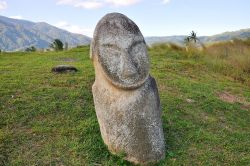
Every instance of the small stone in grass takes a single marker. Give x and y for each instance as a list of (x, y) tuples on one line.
[(64, 69)]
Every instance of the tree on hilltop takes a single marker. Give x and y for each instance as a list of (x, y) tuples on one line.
[(192, 37), (57, 45), (192, 42), (30, 49)]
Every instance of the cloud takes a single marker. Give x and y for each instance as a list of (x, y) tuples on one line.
[(19, 17), (95, 4), (89, 4), (122, 2), (165, 1), (3, 5), (74, 28)]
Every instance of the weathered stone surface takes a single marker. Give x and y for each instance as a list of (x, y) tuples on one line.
[(125, 95), (64, 68)]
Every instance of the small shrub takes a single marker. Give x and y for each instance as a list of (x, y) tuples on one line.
[(31, 49), (57, 45)]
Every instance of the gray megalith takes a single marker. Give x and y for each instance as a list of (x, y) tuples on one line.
[(125, 95)]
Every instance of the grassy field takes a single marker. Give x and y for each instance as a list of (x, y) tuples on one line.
[(49, 119)]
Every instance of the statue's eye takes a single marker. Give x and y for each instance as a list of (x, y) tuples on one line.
[(111, 46), (138, 52), (110, 50), (136, 49)]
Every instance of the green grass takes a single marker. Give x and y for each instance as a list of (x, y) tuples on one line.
[(49, 119)]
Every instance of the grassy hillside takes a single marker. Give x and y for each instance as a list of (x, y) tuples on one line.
[(49, 119)]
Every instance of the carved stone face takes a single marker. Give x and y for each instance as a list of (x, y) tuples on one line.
[(121, 51)]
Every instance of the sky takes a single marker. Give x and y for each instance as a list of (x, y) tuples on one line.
[(154, 17)]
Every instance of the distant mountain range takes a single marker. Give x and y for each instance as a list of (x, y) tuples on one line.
[(18, 34), (241, 34)]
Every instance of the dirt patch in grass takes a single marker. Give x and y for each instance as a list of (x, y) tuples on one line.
[(230, 98), (246, 106)]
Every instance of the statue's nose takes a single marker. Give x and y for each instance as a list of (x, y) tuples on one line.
[(128, 67)]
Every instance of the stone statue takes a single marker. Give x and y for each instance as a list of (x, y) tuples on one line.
[(125, 95)]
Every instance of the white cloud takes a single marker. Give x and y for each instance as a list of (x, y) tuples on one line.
[(122, 2), (75, 28), (89, 4), (3, 5), (19, 17), (94, 4), (165, 1)]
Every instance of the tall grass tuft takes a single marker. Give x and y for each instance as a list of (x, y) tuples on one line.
[(232, 58)]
